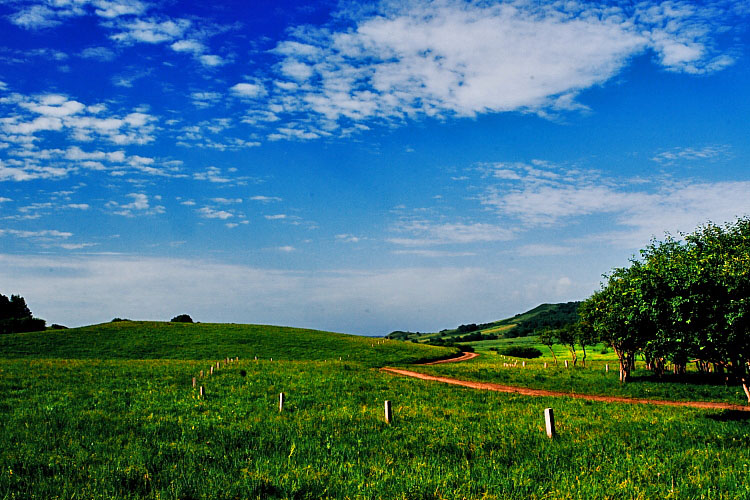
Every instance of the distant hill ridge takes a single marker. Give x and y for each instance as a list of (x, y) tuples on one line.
[(522, 324)]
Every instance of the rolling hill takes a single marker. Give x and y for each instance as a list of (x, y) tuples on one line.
[(194, 341), (520, 325)]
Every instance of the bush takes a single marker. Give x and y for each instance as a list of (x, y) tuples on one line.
[(520, 352), (55, 326), (115, 320), (182, 318)]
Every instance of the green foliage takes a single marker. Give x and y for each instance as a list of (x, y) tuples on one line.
[(15, 316), (682, 300), (182, 318), (520, 352)]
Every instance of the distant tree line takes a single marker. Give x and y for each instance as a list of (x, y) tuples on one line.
[(15, 316), (682, 301)]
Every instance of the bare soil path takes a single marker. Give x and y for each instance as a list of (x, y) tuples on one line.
[(541, 392), (465, 356)]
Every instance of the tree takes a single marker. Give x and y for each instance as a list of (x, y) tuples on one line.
[(16, 317), (567, 336), (182, 318), (547, 337)]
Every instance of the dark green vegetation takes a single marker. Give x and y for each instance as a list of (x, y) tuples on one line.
[(15, 316), (681, 302), (544, 316), (182, 318), (519, 352), (158, 340), (136, 429)]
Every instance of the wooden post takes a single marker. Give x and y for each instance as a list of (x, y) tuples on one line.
[(545, 364), (202, 392), (388, 413), (193, 381), (201, 373), (212, 370), (281, 401), (606, 368), (566, 363), (549, 421), (256, 358), (523, 364)]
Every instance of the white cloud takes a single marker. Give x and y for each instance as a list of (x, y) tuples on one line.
[(53, 13), (276, 217), (205, 99), (103, 54), (211, 213), (691, 154), (441, 58), (139, 206), (151, 30), (44, 234), (428, 233), (211, 60), (286, 249), (100, 287), (191, 46), (433, 253), (265, 199), (348, 238), (547, 196), (248, 90), (55, 112), (5, 200)]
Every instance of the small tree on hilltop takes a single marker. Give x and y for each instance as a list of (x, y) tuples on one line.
[(182, 318)]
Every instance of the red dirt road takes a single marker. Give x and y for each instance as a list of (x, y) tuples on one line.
[(466, 356), (540, 392)]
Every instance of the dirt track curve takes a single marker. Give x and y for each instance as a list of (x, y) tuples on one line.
[(487, 386)]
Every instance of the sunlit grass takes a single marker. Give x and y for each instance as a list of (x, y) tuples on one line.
[(136, 429)]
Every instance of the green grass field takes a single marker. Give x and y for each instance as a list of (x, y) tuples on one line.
[(159, 340), (124, 428)]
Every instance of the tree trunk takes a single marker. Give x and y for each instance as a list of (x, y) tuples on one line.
[(624, 364), (572, 349), (553, 353), (583, 361)]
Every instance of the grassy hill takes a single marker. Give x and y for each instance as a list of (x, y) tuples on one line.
[(160, 340), (520, 325)]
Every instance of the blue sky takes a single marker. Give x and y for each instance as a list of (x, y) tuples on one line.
[(358, 167)]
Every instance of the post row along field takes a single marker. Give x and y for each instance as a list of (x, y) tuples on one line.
[(110, 411)]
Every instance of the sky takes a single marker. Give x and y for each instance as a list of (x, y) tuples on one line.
[(359, 167)]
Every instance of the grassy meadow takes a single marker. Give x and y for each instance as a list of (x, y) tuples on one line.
[(589, 379), (96, 426)]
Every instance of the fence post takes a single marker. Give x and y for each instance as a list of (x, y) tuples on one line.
[(549, 421), (566, 363), (281, 402), (202, 392), (388, 413), (606, 368), (193, 381)]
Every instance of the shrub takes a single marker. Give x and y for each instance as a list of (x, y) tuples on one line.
[(520, 352), (182, 318)]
